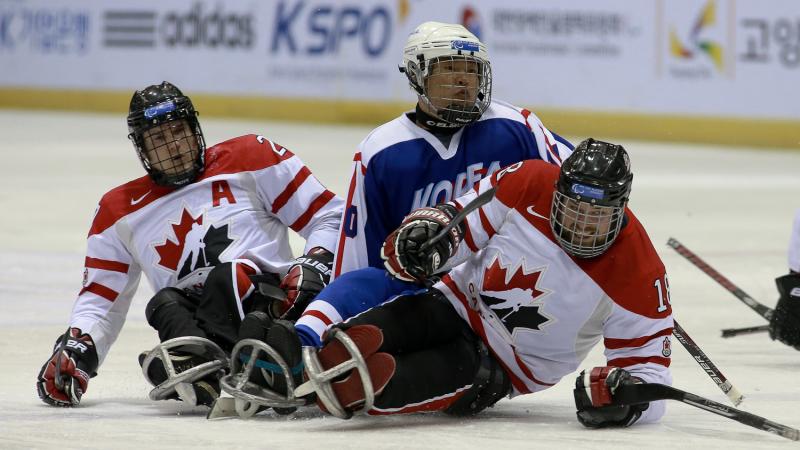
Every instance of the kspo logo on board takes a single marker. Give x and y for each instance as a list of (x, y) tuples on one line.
[(325, 28), (199, 26)]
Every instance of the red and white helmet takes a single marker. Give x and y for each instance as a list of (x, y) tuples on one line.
[(434, 43)]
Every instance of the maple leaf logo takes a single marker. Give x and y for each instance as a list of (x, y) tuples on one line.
[(170, 252), (512, 295)]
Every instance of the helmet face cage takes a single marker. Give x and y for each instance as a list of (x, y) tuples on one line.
[(448, 67), (167, 136), (583, 228), (457, 88), (171, 152)]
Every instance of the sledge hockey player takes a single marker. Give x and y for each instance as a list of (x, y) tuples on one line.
[(204, 226), (785, 323), (551, 265), (456, 135)]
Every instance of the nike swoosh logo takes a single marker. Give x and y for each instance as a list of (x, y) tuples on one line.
[(534, 213), (134, 201)]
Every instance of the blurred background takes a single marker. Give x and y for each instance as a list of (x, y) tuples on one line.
[(711, 71), (702, 93)]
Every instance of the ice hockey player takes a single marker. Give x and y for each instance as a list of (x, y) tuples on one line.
[(202, 225), (552, 265), (456, 135), (785, 323)]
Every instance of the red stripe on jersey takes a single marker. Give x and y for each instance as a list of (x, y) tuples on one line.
[(321, 200), (550, 147), (319, 315), (100, 290), (633, 360), (487, 226), (290, 189), (615, 343), (104, 264), (527, 371), (525, 113), (337, 270), (477, 326), (243, 282), (439, 404)]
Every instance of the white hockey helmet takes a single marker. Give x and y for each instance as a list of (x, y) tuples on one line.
[(464, 91)]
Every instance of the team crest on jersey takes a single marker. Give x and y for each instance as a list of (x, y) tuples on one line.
[(515, 296), (192, 249), (666, 348)]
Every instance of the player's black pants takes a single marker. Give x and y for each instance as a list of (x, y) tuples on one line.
[(213, 315), (441, 364)]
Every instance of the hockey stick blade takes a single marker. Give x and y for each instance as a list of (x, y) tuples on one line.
[(476, 203), (762, 310), (705, 363), (731, 332), (647, 392)]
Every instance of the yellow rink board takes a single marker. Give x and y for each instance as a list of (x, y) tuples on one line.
[(601, 125)]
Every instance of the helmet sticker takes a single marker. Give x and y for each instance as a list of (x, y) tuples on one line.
[(464, 45), (588, 191), (159, 109)]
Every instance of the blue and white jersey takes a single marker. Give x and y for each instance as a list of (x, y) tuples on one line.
[(400, 167)]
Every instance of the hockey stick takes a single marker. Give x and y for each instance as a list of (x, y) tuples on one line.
[(705, 363), (762, 310), (647, 392), (62, 383), (476, 203), (731, 332)]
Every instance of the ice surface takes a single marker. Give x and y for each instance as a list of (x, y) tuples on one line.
[(732, 207)]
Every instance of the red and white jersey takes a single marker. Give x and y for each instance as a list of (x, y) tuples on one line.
[(251, 192), (540, 310), (794, 244)]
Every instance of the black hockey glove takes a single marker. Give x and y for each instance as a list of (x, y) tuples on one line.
[(304, 280), (595, 399), (65, 376), (405, 251), (785, 323)]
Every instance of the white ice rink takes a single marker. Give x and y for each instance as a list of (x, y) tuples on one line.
[(732, 207)]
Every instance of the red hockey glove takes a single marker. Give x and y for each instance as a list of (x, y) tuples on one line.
[(595, 399), (304, 280), (65, 376), (405, 253)]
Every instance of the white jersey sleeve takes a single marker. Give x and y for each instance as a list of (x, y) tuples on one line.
[(110, 278), (794, 244), (642, 346), (299, 200)]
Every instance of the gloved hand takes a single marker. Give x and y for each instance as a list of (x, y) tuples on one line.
[(785, 323), (595, 400), (404, 253), (64, 378), (304, 280)]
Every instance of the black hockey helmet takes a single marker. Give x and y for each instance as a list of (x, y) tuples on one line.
[(590, 198), (163, 126)]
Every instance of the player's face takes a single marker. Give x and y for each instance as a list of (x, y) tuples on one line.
[(584, 225), (171, 148), (453, 83)]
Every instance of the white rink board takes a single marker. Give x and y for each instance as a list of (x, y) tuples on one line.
[(715, 58), (733, 208)]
